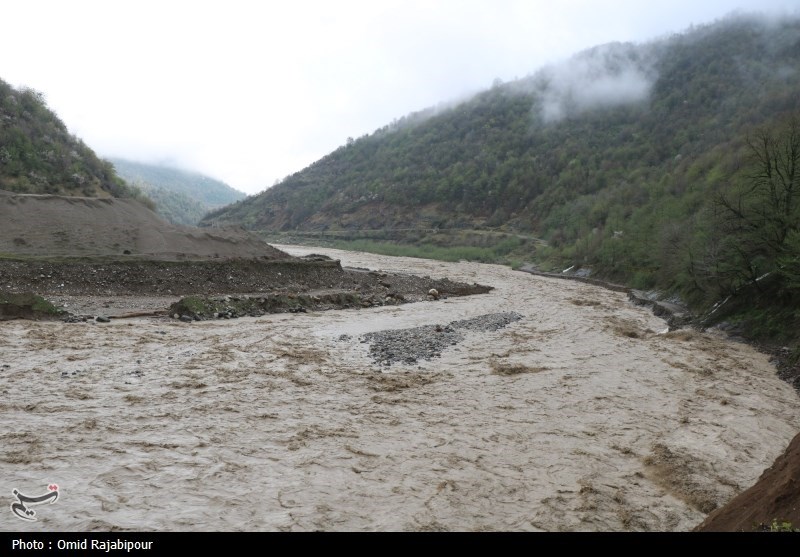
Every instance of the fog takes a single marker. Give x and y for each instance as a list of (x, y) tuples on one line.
[(604, 76)]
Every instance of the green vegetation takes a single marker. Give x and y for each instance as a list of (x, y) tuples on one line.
[(642, 192), (181, 197), (38, 154), (446, 245), (27, 305), (198, 307), (426, 251), (744, 255), (782, 526)]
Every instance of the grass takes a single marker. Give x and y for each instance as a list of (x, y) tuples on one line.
[(483, 246), (782, 526), (424, 251), (37, 304)]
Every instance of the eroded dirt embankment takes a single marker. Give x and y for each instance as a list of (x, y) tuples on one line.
[(53, 225), (773, 502), (234, 288)]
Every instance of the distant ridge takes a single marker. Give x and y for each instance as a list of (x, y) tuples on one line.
[(181, 197)]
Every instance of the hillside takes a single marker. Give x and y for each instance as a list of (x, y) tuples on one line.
[(181, 197), (38, 154), (617, 159)]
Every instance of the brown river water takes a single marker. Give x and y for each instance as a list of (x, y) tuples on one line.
[(583, 415)]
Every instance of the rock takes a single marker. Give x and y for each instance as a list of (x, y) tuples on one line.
[(433, 293), (102, 319), (673, 313), (186, 318)]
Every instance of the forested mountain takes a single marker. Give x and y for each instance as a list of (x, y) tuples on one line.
[(620, 159), (39, 155), (181, 197)]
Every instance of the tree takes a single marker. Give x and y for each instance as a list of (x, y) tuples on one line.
[(760, 218), (789, 261)]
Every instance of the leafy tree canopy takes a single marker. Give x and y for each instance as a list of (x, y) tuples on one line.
[(39, 155)]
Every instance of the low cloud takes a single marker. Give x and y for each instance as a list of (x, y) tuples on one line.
[(605, 76)]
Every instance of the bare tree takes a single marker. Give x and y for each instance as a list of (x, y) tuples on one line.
[(759, 216)]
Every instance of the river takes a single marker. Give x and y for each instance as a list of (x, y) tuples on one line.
[(583, 415)]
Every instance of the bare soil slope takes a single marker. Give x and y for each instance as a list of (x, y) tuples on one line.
[(51, 225), (776, 496)]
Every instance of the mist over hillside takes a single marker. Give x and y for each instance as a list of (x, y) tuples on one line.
[(182, 197), (588, 127)]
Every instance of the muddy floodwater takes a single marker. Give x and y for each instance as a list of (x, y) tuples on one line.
[(585, 414)]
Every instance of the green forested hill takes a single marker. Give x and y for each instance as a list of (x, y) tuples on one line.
[(496, 160), (617, 158), (39, 155), (181, 197)]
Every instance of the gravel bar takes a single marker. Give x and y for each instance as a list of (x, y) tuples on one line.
[(424, 343)]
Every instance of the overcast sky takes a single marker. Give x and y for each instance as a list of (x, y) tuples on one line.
[(251, 91)]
